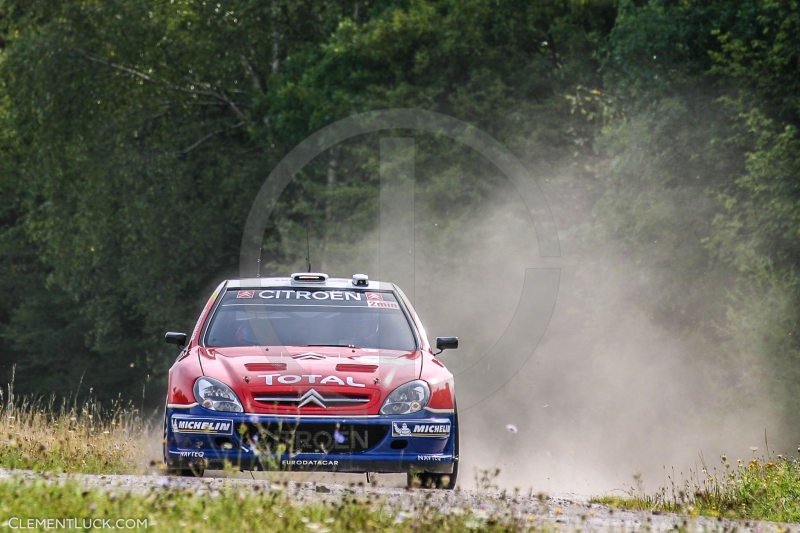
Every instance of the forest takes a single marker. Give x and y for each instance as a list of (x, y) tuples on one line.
[(135, 134)]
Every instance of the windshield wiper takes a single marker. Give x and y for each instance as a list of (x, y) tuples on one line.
[(333, 345)]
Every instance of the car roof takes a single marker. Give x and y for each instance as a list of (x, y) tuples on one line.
[(330, 283)]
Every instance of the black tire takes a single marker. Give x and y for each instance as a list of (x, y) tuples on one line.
[(183, 472), (172, 471), (429, 480)]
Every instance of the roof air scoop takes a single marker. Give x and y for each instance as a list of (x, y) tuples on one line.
[(309, 277), (360, 280)]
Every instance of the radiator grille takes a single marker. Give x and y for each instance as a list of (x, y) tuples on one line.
[(300, 437)]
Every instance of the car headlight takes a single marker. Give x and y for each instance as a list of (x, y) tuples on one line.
[(216, 396), (406, 399)]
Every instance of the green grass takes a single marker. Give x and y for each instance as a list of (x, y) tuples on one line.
[(90, 438), (761, 489), (233, 509), (87, 438)]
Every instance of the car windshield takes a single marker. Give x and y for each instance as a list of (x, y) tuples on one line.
[(294, 317)]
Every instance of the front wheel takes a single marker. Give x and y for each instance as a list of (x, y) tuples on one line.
[(172, 471), (185, 472), (429, 480)]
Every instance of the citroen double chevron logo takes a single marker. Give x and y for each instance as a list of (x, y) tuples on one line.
[(309, 356), (311, 396)]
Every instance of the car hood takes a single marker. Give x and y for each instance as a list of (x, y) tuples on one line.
[(279, 380)]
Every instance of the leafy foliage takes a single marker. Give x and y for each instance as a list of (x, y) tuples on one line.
[(134, 135), (140, 132)]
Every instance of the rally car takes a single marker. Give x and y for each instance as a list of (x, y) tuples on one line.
[(311, 373)]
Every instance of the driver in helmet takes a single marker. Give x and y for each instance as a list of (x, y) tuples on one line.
[(360, 329), (245, 335), (253, 332)]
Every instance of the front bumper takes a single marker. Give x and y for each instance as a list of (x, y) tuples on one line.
[(199, 438)]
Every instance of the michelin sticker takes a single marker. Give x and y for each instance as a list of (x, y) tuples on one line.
[(209, 426), (413, 429)]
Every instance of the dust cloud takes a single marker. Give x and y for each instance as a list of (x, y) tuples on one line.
[(608, 393)]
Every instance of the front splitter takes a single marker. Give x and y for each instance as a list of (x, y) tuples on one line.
[(441, 465)]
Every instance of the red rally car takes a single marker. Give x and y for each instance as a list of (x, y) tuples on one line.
[(311, 373)]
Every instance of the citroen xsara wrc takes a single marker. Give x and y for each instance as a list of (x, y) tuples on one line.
[(311, 373)]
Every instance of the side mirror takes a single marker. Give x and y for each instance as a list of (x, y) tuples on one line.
[(446, 343), (175, 338)]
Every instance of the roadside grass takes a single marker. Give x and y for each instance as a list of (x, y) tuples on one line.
[(766, 488), (40, 434), (253, 509)]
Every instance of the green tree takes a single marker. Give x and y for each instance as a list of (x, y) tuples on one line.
[(143, 131)]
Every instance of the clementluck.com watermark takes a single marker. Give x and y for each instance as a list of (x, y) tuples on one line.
[(38, 524)]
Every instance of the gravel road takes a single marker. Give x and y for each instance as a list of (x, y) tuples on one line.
[(559, 512)]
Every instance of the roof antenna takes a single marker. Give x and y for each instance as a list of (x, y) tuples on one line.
[(308, 252)]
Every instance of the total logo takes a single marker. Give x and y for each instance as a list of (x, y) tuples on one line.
[(291, 379)]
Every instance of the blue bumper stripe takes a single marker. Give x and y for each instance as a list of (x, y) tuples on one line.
[(197, 437)]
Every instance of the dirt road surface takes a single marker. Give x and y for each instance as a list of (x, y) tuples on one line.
[(559, 512)]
